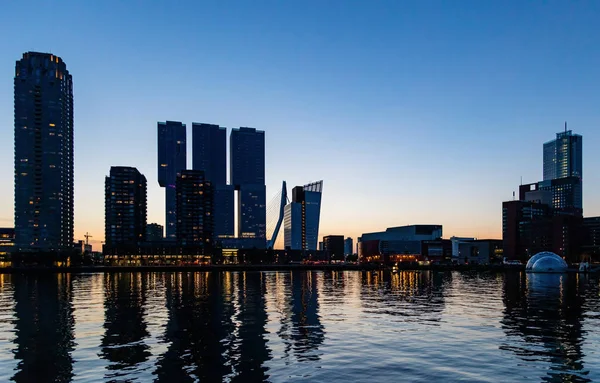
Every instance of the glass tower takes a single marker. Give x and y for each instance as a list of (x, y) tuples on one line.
[(247, 174), (171, 161), (43, 153), (209, 154), (302, 216)]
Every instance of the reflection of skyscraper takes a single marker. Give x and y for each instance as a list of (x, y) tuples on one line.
[(124, 322), (301, 217), (198, 330), (543, 317), (209, 154), (44, 327), (171, 161), (43, 153), (247, 152), (125, 206), (307, 330)]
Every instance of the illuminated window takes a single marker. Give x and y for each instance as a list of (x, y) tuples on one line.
[(52, 125)]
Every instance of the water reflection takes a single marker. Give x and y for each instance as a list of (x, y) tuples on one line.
[(545, 311), (124, 323), (306, 330), (44, 328)]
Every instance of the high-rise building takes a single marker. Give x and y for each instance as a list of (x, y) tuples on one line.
[(301, 217), (171, 161), (43, 154), (348, 246), (194, 210), (559, 193), (154, 232), (125, 204), (563, 157), (209, 154), (247, 175), (334, 246)]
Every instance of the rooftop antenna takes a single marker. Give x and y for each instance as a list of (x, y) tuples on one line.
[(565, 126), (521, 180)]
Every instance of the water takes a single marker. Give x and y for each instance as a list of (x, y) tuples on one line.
[(299, 326)]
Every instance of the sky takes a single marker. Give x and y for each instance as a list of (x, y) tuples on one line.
[(411, 112)]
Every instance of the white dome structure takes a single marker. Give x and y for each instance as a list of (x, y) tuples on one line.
[(546, 262)]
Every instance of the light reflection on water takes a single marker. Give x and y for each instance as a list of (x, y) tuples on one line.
[(299, 326)]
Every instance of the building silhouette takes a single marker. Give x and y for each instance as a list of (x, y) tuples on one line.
[(334, 246), (247, 175), (171, 161), (209, 154), (43, 153), (302, 216), (154, 232), (194, 209), (125, 204), (348, 246)]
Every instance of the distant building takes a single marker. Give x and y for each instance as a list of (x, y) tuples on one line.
[(247, 176), (43, 107), (480, 252), (320, 246), (397, 244), (7, 243), (154, 232), (125, 205), (348, 246), (456, 241), (209, 154), (194, 206), (563, 157), (171, 161), (436, 250), (591, 238), (333, 245), (560, 193), (302, 216)]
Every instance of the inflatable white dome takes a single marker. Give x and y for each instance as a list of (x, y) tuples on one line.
[(546, 262)]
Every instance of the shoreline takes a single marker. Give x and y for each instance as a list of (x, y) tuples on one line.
[(266, 267)]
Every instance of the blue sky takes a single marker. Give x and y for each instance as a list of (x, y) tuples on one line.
[(411, 112)]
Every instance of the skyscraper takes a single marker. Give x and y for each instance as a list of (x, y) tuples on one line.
[(194, 209), (125, 205), (563, 156), (43, 153), (247, 152), (209, 154), (301, 217), (171, 161), (348, 246)]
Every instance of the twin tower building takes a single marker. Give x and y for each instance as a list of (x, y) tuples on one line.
[(209, 165)]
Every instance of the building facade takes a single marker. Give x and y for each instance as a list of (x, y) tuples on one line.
[(194, 210), (172, 159), (397, 244), (209, 154), (154, 232), (559, 193), (591, 238), (125, 204), (563, 157), (44, 162), (348, 246), (7, 244), (333, 245), (302, 216), (247, 176)]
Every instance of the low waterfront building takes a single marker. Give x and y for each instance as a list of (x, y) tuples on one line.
[(397, 244), (333, 245), (154, 232), (480, 252), (591, 238)]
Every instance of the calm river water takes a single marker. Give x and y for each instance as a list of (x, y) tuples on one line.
[(299, 326)]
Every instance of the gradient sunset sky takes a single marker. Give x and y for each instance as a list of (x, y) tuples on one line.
[(410, 111)]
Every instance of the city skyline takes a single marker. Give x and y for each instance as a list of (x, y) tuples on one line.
[(420, 152)]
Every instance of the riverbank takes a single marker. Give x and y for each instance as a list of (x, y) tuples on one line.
[(253, 267)]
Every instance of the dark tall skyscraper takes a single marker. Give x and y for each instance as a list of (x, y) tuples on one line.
[(125, 206), (247, 152), (209, 154), (194, 209), (43, 153), (171, 161)]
